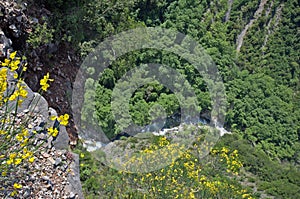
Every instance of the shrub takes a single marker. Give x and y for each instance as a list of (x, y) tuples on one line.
[(42, 35), (186, 177)]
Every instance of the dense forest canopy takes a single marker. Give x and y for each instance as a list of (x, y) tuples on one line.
[(254, 45)]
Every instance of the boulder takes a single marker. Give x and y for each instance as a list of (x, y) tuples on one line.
[(39, 105), (62, 140)]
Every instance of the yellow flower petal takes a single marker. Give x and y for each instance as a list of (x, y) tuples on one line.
[(13, 55)]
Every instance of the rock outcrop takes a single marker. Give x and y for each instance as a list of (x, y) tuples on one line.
[(56, 168), (58, 165)]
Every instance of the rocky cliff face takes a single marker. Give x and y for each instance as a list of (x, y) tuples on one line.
[(56, 170), (17, 22)]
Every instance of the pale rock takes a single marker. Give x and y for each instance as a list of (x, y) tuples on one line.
[(51, 160)]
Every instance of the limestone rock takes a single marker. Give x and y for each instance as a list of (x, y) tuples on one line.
[(39, 105), (62, 140)]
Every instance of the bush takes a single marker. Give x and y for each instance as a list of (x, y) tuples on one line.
[(275, 178), (185, 177), (42, 35)]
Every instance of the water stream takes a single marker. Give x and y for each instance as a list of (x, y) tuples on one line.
[(158, 128)]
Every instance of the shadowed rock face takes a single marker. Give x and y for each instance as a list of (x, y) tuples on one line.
[(15, 24)]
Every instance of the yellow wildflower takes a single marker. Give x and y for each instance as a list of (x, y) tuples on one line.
[(9, 162), (6, 62), (13, 96), (25, 132), (44, 82), (12, 156), (18, 161), (13, 193), (52, 131), (13, 55), (23, 93), (191, 195), (31, 160), (25, 141), (63, 119), (17, 186), (19, 137), (53, 117), (14, 65)]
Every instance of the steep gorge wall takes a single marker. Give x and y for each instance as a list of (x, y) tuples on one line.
[(15, 26)]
